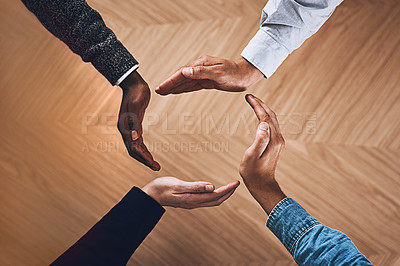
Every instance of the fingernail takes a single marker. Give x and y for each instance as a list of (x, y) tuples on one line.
[(249, 97), (209, 188), (263, 126), (134, 135), (187, 71)]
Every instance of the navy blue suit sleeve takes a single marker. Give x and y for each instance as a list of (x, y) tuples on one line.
[(118, 234)]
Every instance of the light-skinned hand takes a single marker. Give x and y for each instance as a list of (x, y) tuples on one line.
[(135, 99), (260, 160), (170, 191), (209, 72)]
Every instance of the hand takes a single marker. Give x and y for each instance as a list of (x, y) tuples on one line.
[(259, 161), (136, 97), (212, 73), (170, 191)]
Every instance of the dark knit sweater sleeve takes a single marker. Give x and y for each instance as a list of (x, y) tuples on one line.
[(82, 28)]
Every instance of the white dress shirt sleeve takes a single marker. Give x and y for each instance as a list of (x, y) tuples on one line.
[(119, 81), (285, 25)]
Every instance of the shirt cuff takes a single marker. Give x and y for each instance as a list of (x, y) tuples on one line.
[(265, 53), (290, 222), (119, 81)]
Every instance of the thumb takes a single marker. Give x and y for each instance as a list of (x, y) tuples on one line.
[(262, 138), (199, 72), (136, 129)]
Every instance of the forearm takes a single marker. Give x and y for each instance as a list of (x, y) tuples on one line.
[(268, 195), (308, 241), (304, 237), (285, 25), (117, 235), (84, 31)]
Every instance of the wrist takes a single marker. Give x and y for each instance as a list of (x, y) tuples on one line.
[(136, 89), (251, 73), (132, 81), (267, 194), (148, 189)]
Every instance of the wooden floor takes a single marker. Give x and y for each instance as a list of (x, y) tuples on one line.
[(337, 97)]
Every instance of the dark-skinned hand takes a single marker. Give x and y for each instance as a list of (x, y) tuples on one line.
[(135, 99)]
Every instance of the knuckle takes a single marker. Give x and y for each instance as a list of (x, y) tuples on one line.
[(281, 140), (189, 201), (198, 188), (272, 114), (242, 173), (176, 187), (131, 152), (248, 154), (119, 127), (205, 57), (241, 170), (218, 71), (244, 168), (188, 207), (280, 143), (265, 117)]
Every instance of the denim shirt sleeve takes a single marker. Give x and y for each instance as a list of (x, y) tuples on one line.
[(310, 242), (284, 26)]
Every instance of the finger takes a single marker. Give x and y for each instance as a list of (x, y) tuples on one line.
[(134, 135), (259, 110), (196, 87), (261, 141), (217, 193), (178, 78), (271, 114), (131, 134), (184, 86), (202, 72), (275, 135), (138, 150), (216, 202), (261, 114), (131, 124), (224, 189), (206, 60), (173, 81), (194, 187), (194, 199)]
